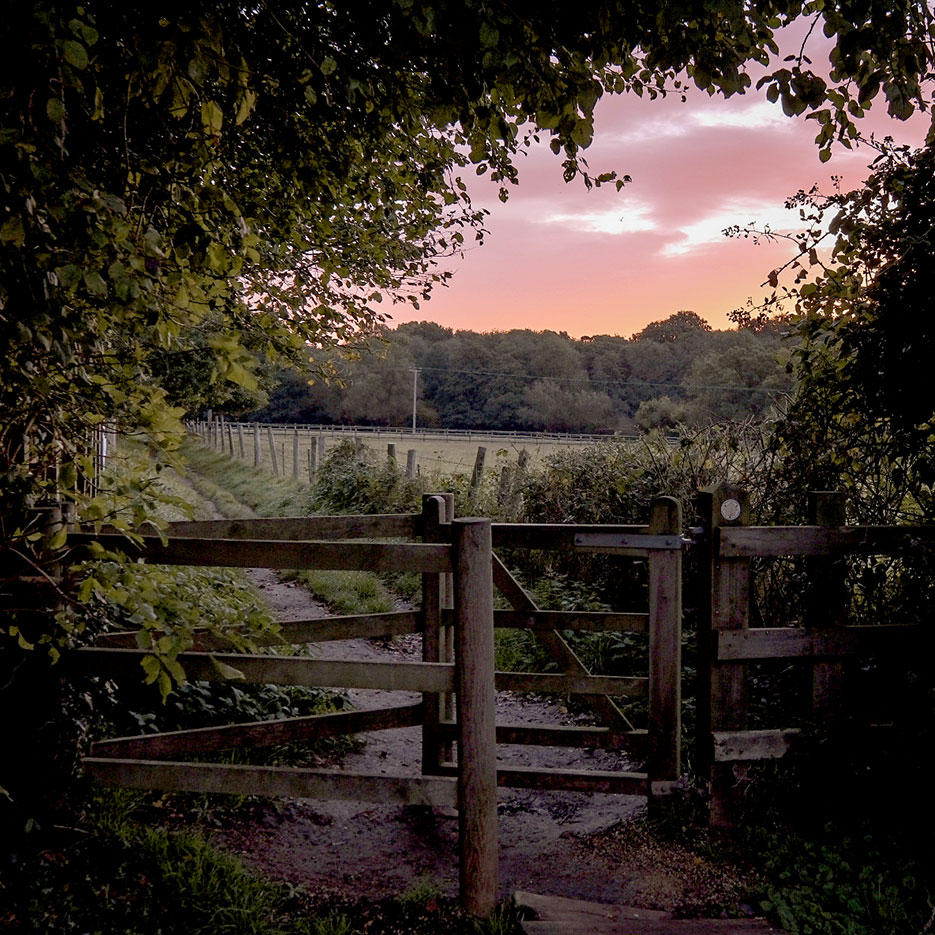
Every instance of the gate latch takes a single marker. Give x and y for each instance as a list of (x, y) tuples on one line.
[(613, 540)]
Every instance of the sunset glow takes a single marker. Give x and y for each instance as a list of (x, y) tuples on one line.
[(601, 262)]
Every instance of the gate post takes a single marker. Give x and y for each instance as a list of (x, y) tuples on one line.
[(433, 648), (722, 686), (827, 605), (665, 651), (476, 709)]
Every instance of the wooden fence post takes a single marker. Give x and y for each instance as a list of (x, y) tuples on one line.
[(433, 648), (477, 750), (411, 463), (230, 439), (311, 462), (827, 604), (274, 458), (478, 467), (240, 444), (448, 634), (665, 649), (295, 454), (722, 686), (321, 448), (391, 452), (257, 454), (505, 488)]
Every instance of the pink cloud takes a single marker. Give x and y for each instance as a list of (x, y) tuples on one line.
[(561, 258)]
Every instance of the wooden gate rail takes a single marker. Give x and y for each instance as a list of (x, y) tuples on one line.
[(274, 553), (436, 791), (465, 552), (725, 742), (661, 545), (361, 526), (171, 744), (295, 632)]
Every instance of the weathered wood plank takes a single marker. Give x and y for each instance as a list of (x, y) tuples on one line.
[(476, 716), (436, 791), (433, 650), (559, 683), (742, 745), (573, 780), (556, 646), (633, 741), (665, 926), (294, 632), (567, 780), (279, 670), (238, 553), (722, 686), (773, 541), (561, 908), (665, 646), (299, 527), (182, 743), (585, 621), (550, 536), (788, 642), (827, 606)]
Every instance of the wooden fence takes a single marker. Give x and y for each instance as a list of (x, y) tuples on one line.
[(827, 642), (457, 620)]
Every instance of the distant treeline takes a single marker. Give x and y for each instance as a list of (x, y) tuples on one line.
[(676, 370)]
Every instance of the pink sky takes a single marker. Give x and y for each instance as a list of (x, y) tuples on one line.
[(602, 262)]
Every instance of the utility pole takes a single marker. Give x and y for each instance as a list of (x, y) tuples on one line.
[(415, 394)]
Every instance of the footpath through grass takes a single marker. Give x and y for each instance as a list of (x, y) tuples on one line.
[(239, 491)]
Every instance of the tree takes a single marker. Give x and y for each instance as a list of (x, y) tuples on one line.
[(863, 417), (672, 328), (171, 173), (161, 166)]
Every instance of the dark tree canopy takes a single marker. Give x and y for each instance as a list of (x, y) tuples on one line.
[(177, 178)]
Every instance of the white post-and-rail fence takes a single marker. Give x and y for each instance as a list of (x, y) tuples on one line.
[(457, 621)]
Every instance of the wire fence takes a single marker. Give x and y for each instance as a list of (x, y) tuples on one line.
[(296, 449)]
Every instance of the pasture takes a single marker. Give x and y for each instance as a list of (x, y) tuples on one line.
[(297, 450)]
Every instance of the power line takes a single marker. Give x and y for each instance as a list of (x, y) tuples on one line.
[(589, 382)]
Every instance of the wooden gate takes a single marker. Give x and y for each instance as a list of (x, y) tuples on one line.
[(456, 677), (828, 642)]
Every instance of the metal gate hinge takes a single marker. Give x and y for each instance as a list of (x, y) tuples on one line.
[(613, 540)]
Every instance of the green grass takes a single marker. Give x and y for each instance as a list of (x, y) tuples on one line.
[(115, 876), (347, 592), (239, 490), (111, 873), (233, 484)]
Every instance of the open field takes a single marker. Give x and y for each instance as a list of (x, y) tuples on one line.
[(299, 448)]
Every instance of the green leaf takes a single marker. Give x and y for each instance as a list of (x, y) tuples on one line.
[(328, 66), (489, 35), (75, 54), (55, 110), (95, 283), (226, 671), (152, 668), (13, 232), (68, 476), (212, 117), (245, 105)]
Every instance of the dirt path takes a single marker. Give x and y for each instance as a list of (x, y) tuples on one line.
[(564, 844), (353, 849)]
